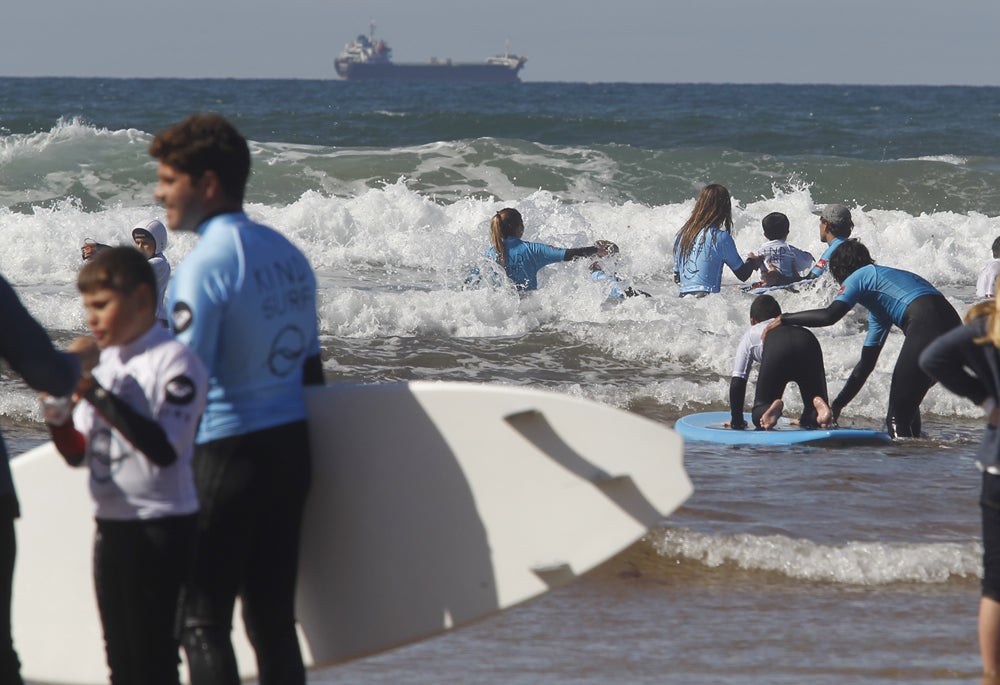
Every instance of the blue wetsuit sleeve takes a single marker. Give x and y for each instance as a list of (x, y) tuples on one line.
[(547, 254), (731, 257), (29, 350)]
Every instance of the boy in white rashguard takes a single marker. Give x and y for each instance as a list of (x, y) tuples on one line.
[(781, 263), (134, 425)]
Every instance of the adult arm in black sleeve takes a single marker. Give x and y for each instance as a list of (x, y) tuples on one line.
[(737, 396), (29, 351), (950, 358), (817, 318)]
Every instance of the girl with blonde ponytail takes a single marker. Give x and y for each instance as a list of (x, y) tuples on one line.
[(520, 259)]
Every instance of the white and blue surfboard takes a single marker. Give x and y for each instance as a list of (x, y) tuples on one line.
[(710, 427)]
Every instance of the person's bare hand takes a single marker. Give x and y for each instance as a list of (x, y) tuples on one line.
[(88, 352), (768, 327), (605, 248)]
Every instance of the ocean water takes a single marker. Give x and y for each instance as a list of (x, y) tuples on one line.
[(804, 565)]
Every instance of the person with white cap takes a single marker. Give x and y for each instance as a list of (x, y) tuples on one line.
[(835, 226)]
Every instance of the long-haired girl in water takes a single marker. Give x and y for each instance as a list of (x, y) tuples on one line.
[(704, 244)]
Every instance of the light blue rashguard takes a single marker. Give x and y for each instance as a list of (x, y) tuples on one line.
[(886, 293), (245, 300), (524, 260), (823, 263), (701, 272)]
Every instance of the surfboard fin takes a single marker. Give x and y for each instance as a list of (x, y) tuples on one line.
[(533, 425), (555, 574)]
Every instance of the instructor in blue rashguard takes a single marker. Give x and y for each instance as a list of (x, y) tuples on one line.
[(245, 300), (704, 244), (835, 226), (892, 296)]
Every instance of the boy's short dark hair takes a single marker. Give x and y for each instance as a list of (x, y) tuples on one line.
[(122, 269), (206, 142), (775, 226), (764, 307), (996, 247)]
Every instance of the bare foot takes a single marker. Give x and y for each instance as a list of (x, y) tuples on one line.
[(771, 416), (824, 415)]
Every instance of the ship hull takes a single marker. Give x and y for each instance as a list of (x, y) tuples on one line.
[(445, 72)]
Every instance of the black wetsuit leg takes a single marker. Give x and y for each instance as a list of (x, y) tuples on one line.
[(792, 354), (926, 318), (10, 666), (138, 568), (252, 489)]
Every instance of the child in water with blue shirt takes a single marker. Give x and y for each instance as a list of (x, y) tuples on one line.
[(521, 260)]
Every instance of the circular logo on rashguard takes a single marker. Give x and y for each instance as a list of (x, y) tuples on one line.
[(180, 390), (103, 466), (182, 316), (286, 350)]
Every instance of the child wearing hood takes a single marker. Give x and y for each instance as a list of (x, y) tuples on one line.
[(150, 238)]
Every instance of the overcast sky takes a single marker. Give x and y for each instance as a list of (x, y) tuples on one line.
[(933, 42)]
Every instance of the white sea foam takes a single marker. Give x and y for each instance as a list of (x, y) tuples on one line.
[(852, 563), (394, 262)]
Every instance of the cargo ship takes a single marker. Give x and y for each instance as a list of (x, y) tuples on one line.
[(367, 59)]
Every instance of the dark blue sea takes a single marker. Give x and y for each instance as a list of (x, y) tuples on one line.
[(788, 565)]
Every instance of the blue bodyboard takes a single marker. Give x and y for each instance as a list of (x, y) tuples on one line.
[(708, 427)]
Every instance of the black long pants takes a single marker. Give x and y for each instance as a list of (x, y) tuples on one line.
[(252, 490), (138, 569), (791, 355), (10, 666), (927, 317)]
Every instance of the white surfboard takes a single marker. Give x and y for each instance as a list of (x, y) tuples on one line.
[(433, 504)]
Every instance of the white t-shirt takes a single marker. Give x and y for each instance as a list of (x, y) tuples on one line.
[(749, 350), (162, 379), (986, 285), (787, 259)]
